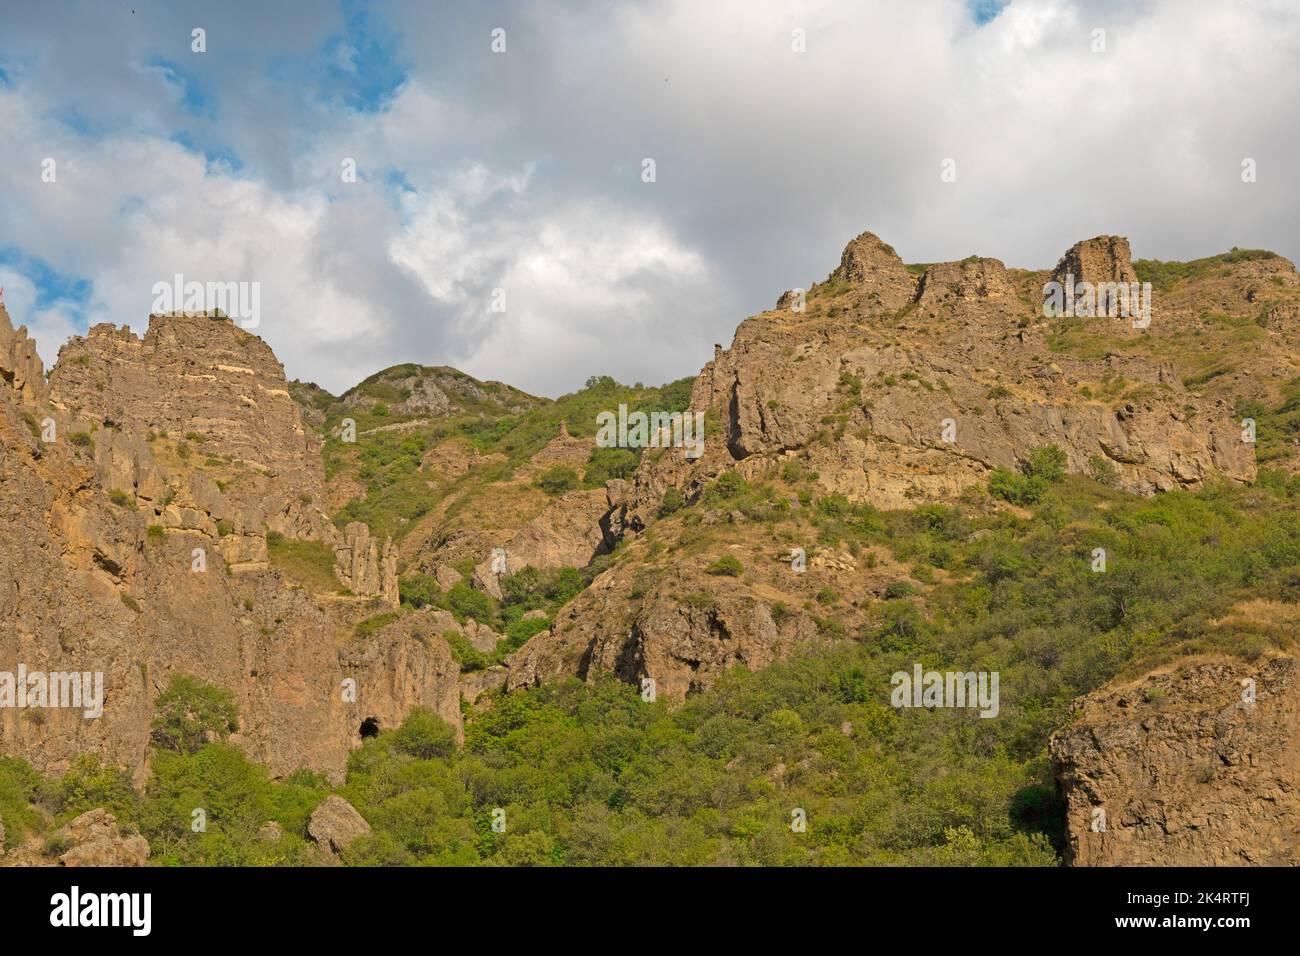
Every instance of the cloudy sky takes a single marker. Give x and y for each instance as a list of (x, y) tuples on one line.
[(522, 170)]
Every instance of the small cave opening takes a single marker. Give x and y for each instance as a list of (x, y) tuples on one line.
[(369, 728)]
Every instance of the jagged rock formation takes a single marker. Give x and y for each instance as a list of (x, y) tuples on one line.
[(894, 393), (672, 621), (872, 266), (191, 375), (973, 280), (20, 366), (897, 403), (362, 568), (683, 647), (201, 384), (566, 535), (1098, 261), (1180, 768), (116, 563), (406, 665)]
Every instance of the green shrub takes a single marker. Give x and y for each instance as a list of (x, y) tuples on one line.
[(191, 713), (1015, 488), (89, 783), (898, 589), (374, 623), (607, 464), (424, 735), (20, 787), (1048, 463), (557, 480), (1103, 471), (309, 563), (672, 502), (465, 602), (419, 590), (728, 565)]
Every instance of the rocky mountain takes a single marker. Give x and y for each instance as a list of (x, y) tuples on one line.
[(435, 392), (878, 460), (137, 521), (897, 389)]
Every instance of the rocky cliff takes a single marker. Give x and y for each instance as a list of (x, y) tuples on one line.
[(1193, 765), (124, 558), (896, 388)]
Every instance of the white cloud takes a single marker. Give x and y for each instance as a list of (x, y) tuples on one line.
[(521, 170)]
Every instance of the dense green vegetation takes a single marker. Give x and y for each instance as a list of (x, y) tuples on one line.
[(527, 590), (1277, 428)]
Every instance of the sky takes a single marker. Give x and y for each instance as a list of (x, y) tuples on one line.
[(501, 220)]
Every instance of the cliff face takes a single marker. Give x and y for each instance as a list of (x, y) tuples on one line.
[(191, 375), (898, 387), (898, 391), (1197, 765), (121, 557)]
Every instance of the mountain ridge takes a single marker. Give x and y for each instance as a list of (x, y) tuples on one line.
[(463, 539)]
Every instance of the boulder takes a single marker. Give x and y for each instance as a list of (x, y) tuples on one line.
[(335, 824), (97, 841)]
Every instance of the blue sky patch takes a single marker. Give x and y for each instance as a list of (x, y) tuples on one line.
[(357, 66), (986, 11), (193, 98), (52, 286)]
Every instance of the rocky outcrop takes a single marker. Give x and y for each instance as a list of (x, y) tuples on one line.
[(191, 375), (207, 388), (360, 566), (97, 841), (115, 562), (1101, 260), (335, 824), (683, 646), (92, 839), (566, 535), (924, 404), (435, 392), (405, 665), (873, 267), (1192, 765), (973, 280), (20, 367)]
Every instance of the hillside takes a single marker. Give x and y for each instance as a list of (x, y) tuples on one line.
[(645, 655)]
